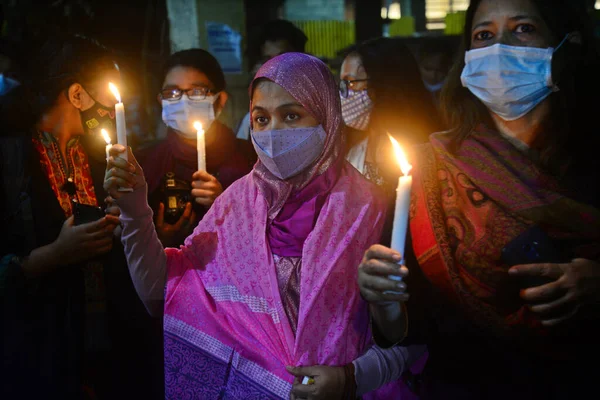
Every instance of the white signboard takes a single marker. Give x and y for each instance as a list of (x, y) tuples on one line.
[(225, 44)]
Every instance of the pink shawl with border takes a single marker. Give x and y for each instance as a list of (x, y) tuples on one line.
[(226, 331)]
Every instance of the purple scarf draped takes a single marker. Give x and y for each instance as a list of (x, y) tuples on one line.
[(298, 217)]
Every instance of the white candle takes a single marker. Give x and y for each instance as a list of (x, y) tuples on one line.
[(402, 209), (121, 128), (120, 118), (401, 214), (200, 146), (108, 142)]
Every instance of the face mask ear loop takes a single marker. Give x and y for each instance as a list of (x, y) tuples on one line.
[(217, 112), (567, 37), (96, 102), (554, 86)]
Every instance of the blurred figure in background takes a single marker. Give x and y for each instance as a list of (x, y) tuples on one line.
[(435, 59), (193, 90), (270, 40)]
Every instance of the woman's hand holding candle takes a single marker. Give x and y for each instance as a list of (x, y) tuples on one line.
[(205, 188), (378, 265), (121, 173), (385, 295)]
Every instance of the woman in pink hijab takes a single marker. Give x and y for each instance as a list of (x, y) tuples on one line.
[(268, 278)]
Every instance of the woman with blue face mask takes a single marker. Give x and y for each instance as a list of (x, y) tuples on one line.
[(193, 90), (505, 215)]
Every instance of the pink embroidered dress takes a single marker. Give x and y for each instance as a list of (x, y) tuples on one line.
[(268, 278)]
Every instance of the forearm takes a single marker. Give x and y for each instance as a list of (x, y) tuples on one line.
[(378, 366), (145, 255), (390, 320), (41, 261)]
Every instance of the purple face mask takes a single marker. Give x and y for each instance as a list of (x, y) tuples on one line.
[(287, 152)]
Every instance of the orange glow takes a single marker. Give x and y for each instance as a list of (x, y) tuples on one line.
[(105, 136), (405, 167), (115, 92)]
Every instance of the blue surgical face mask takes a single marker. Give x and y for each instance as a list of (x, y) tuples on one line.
[(7, 84), (287, 152), (509, 80), (433, 88), (181, 114)]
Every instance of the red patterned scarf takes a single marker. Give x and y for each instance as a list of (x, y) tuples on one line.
[(468, 205), (58, 170)]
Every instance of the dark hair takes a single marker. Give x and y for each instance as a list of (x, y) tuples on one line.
[(281, 29), (432, 46), (569, 123), (277, 29), (49, 67), (401, 102), (200, 60)]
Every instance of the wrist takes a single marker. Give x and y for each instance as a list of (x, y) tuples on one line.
[(42, 260), (349, 382), (389, 311), (55, 252), (134, 205), (389, 324)]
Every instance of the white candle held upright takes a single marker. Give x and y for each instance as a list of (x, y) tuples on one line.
[(121, 127), (401, 212), (106, 138), (201, 146), (120, 118)]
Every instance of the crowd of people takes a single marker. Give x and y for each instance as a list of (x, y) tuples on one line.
[(132, 273)]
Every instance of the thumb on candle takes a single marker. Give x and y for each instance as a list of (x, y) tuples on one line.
[(117, 149), (202, 176)]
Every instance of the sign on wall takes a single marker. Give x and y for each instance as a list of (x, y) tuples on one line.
[(225, 44)]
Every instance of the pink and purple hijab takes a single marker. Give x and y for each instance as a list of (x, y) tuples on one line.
[(226, 331)]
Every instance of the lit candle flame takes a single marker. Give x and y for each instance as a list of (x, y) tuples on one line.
[(105, 136), (405, 167), (198, 126), (115, 91)]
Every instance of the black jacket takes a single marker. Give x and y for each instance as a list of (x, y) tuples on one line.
[(43, 347)]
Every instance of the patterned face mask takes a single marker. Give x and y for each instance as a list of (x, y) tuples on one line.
[(287, 152), (97, 117), (356, 109)]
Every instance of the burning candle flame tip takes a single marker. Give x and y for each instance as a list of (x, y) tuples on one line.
[(405, 167), (105, 136), (115, 91), (198, 125)]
